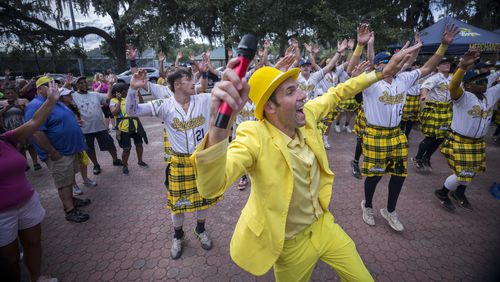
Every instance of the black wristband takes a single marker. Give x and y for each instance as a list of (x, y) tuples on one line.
[(133, 63), (204, 75)]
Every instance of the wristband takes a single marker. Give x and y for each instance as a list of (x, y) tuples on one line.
[(441, 50), (204, 75), (358, 50), (133, 63)]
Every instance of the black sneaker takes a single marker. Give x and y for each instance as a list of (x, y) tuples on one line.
[(97, 169), (445, 201), (419, 165), (78, 203), (427, 164), (125, 169), (143, 164), (117, 162), (355, 169), (76, 216), (461, 201)]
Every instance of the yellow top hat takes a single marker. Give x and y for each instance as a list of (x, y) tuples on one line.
[(263, 82), (42, 80)]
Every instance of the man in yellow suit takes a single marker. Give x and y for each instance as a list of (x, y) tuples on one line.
[(286, 223)]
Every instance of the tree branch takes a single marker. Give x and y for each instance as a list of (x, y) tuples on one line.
[(15, 14)]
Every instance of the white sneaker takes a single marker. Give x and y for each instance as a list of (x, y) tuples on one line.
[(89, 182), (367, 214), (392, 219), (325, 142), (205, 242), (176, 249), (348, 129), (337, 128), (76, 190)]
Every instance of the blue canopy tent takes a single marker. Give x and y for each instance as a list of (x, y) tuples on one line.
[(469, 36)]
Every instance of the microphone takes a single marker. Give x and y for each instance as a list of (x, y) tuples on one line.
[(246, 52)]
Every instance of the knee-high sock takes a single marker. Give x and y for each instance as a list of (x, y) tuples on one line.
[(359, 150), (424, 146), (432, 148), (452, 183), (395, 186), (408, 127), (177, 219), (370, 185)]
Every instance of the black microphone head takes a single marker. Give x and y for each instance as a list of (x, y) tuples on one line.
[(247, 46)]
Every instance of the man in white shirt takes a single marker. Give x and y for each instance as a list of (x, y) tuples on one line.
[(435, 117), (464, 147), (186, 118), (385, 147), (89, 103)]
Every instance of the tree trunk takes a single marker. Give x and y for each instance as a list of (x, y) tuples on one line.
[(282, 40), (119, 48)]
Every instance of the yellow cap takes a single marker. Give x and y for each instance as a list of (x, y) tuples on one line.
[(42, 80), (263, 82)]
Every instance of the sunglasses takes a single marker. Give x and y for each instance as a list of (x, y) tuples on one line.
[(481, 81)]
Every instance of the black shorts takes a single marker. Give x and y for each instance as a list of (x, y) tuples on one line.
[(126, 138), (106, 111), (104, 140)]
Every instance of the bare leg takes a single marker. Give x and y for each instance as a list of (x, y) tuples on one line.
[(66, 196), (93, 157), (112, 152), (125, 156), (31, 241), (83, 172), (33, 155), (139, 150), (9, 262)]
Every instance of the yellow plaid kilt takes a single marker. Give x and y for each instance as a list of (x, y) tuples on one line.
[(466, 156), (330, 117), (359, 122), (411, 108), (349, 105), (435, 119), (183, 195), (385, 150), (83, 158)]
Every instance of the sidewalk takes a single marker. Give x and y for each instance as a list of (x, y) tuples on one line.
[(128, 236)]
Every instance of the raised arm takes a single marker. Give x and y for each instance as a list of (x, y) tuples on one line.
[(340, 48), (448, 35), (465, 64), (178, 59), (415, 54), (312, 59), (370, 49), (131, 55), (161, 58), (40, 116), (265, 54), (132, 108), (364, 35)]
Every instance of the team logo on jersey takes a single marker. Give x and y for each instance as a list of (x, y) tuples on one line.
[(477, 112), (187, 125), (391, 100), (443, 86)]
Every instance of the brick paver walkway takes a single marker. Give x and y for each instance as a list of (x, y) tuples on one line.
[(128, 236)]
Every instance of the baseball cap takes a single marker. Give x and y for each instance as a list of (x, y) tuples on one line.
[(43, 80), (382, 57)]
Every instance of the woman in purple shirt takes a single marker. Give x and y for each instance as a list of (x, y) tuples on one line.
[(21, 212)]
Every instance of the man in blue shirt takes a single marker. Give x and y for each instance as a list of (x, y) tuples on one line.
[(58, 142)]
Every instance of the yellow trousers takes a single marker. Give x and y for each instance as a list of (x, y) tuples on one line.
[(323, 240)]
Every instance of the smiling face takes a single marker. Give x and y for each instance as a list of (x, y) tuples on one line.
[(286, 109)]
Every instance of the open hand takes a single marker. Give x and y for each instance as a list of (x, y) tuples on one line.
[(399, 59), (469, 59), (139, 80), (361, 68), (161, 56), (364, 34), (53, 93), (450, 31)]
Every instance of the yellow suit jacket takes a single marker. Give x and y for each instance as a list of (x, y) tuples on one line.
[(260, 151)]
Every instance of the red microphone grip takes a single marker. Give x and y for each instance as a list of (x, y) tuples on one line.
[(224, 108)]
